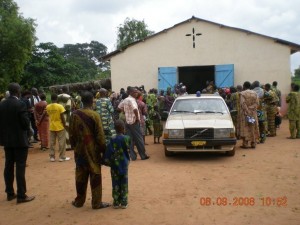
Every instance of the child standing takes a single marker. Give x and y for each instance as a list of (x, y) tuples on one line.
[(157, 126), (117, 157)]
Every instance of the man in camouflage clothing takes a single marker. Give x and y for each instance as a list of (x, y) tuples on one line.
[(293, 100), (271, 101), (235, 107)]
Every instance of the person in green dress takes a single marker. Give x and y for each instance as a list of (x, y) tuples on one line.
[(151, 101), (106, 110), (157, 125)]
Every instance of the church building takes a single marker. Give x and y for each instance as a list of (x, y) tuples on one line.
[(196, 51)]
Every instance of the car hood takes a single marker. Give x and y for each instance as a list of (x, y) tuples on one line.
[(213, 120)]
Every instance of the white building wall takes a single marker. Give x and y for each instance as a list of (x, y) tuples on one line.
[(254, 57)]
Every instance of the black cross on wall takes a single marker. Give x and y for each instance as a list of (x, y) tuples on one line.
[(193, 35)]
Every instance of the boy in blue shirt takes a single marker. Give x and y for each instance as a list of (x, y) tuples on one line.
[(117, 157)]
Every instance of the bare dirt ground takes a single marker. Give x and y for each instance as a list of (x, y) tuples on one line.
[(258, 186)]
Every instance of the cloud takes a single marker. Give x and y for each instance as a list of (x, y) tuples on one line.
[(77, 21), (103, 6)]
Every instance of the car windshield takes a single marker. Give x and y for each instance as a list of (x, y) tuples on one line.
[(199, 105)]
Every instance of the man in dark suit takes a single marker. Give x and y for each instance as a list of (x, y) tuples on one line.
[(14, 125)]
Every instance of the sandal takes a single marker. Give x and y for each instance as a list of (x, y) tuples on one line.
[(102, 205)]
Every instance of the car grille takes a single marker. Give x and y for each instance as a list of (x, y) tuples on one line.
[(199, 133)]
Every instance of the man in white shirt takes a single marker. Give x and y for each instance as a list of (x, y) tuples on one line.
[(130, 108)]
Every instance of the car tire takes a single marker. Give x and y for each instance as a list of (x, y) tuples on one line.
[(231, 153), (168, 153)]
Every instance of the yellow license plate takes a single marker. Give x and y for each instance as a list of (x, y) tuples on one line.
[(198, 143)]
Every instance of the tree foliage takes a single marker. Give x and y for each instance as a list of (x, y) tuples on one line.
[(51, 65), (297, 73), (17, 37), (87, 56), (47, 66), (130, 31)]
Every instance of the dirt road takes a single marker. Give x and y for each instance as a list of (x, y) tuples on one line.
[(258, 186)]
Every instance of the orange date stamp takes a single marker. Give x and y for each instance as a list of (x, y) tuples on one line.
[(281, 201)]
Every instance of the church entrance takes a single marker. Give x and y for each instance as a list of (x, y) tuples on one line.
[(195, 78)]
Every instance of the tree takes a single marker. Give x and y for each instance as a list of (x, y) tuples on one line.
[(131, 31), (48, 67), (297, 73), (51, 65), (87, 57), (17, 37)]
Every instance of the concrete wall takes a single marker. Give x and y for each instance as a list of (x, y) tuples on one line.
[(254, 57)]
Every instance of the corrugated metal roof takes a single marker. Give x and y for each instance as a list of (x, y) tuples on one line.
[(293, 46)]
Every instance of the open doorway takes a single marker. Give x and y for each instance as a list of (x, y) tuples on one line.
[(195, 77)]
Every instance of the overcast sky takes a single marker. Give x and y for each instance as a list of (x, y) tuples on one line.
[(80, 21)]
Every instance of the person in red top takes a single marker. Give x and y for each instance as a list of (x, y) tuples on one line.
[(42, 121), (143, 113)]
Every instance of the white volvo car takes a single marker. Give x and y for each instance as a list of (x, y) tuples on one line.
[(199, 123)]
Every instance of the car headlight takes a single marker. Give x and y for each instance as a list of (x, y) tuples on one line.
[(174, 133), (224, 133)]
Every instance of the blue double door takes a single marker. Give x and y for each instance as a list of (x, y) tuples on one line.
[(196, 77)]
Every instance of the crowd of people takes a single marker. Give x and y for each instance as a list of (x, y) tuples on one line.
[(109, 128), (255, 110)]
